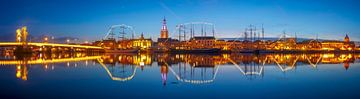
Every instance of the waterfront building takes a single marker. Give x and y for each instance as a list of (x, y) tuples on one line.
[(142, 43), (334, 45), (209, 44), (259, 45), (232, 45), (197, 42), (283, 44), (309, 45), (111, 44), (164, 43), (125, 44), (108, 44), (222, 44), (202, 42)]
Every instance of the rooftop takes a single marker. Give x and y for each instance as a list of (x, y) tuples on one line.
[(202, 37)]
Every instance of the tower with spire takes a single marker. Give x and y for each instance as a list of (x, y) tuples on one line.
[(164, 31), (346, 39), (142, 36)]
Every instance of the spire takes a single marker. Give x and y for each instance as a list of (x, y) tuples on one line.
[(347, 39), (164, 27), (164, 32), (142, 35)]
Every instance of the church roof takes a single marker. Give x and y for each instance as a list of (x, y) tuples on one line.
[(346, 37)]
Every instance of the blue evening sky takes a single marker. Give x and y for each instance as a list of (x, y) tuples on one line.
[(91, 19)]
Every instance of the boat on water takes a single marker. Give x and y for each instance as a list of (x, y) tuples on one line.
[(204, 50)]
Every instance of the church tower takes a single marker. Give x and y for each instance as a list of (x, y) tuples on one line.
[(164, 31), (346, 39)]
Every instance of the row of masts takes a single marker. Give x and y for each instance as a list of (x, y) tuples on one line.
[(122, 34), (252, 33), (183, 30)]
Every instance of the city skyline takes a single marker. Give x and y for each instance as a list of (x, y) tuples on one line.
[(91, 20), (179, 49)]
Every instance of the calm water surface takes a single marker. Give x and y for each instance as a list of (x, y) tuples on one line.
[(182, 76)]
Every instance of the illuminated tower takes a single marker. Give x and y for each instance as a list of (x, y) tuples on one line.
[(21, 35), (24, 34), (164, 31), (347, 39), (18, 35)]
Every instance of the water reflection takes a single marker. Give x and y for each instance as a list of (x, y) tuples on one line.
[(186, 68)]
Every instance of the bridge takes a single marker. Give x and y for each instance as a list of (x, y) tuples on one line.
[(23, 44), (12, 44)]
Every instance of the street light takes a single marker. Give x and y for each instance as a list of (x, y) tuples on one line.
[(68, 41), (46, 39)]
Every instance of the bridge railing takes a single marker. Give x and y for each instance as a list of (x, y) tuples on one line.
[(49, 44)]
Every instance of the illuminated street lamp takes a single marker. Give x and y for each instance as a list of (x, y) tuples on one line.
[(46, 39), (68, 41)]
